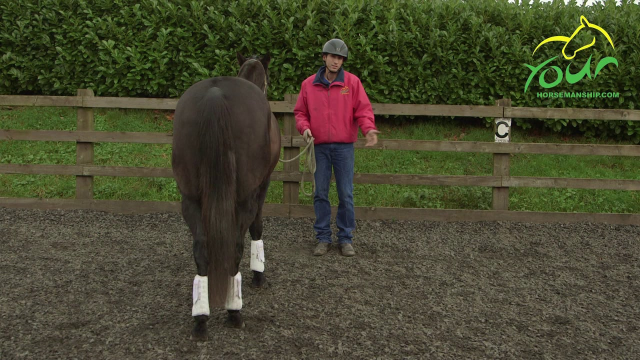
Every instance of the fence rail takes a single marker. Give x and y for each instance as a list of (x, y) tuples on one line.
[(298, 141), (85, 171), (379, 109), (295, 176)]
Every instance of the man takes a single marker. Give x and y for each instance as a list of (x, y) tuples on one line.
[(332, 104)]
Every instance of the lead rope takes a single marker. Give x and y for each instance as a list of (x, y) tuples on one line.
[(309, 163)]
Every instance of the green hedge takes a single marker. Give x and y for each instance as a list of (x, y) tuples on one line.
[(412, 51)]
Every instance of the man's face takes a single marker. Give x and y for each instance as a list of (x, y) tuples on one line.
[(333, 62)]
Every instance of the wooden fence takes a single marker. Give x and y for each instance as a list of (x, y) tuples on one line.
[(500, 181)]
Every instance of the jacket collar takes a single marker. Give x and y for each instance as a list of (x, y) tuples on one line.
[(319, 79)]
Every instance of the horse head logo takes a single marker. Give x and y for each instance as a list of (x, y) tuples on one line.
[(584, 23)]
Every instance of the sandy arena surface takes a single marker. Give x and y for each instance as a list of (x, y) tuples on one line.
[(94, 285)]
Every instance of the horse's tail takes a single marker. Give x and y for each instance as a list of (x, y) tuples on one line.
[(218, 194)]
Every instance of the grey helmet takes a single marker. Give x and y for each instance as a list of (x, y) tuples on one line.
[(336, 47)]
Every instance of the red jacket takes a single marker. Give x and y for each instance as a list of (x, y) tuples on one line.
[(333, 113)]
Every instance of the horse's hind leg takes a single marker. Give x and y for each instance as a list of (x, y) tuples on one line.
[(192, 214), (234, 293), (257, 248)]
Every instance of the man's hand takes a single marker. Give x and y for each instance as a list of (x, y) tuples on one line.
[(372, 138), (307, 135)]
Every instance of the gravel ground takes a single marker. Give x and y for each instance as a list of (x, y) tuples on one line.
[(93, 285)]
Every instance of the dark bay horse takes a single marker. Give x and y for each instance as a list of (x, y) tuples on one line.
[(226, 143)]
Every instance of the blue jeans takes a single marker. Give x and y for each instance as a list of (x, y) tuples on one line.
[(341, 158)]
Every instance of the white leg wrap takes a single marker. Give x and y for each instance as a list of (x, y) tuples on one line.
[(234, 294), (257, 255), (200, 296)]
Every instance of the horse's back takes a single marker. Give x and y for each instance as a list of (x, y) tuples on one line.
[(248, 113), (242, 98)]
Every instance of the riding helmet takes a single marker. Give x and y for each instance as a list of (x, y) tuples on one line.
[(336, 47)]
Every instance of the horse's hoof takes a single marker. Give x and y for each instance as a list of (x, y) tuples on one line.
[(261, 284), (234, 320), (259, 281), (234, 325), (200, 333)]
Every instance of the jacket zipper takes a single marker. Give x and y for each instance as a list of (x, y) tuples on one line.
[(329, 108)]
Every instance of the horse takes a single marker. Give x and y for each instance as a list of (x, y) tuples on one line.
[(226, 144)]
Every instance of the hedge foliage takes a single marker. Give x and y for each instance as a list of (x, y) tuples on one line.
[(407, 51)]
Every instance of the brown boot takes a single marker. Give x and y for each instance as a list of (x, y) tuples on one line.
[(321, 249), (347, 250)]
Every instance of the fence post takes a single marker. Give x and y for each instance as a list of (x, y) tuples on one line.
[(84, 150), (291, 189), (501, 162)]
